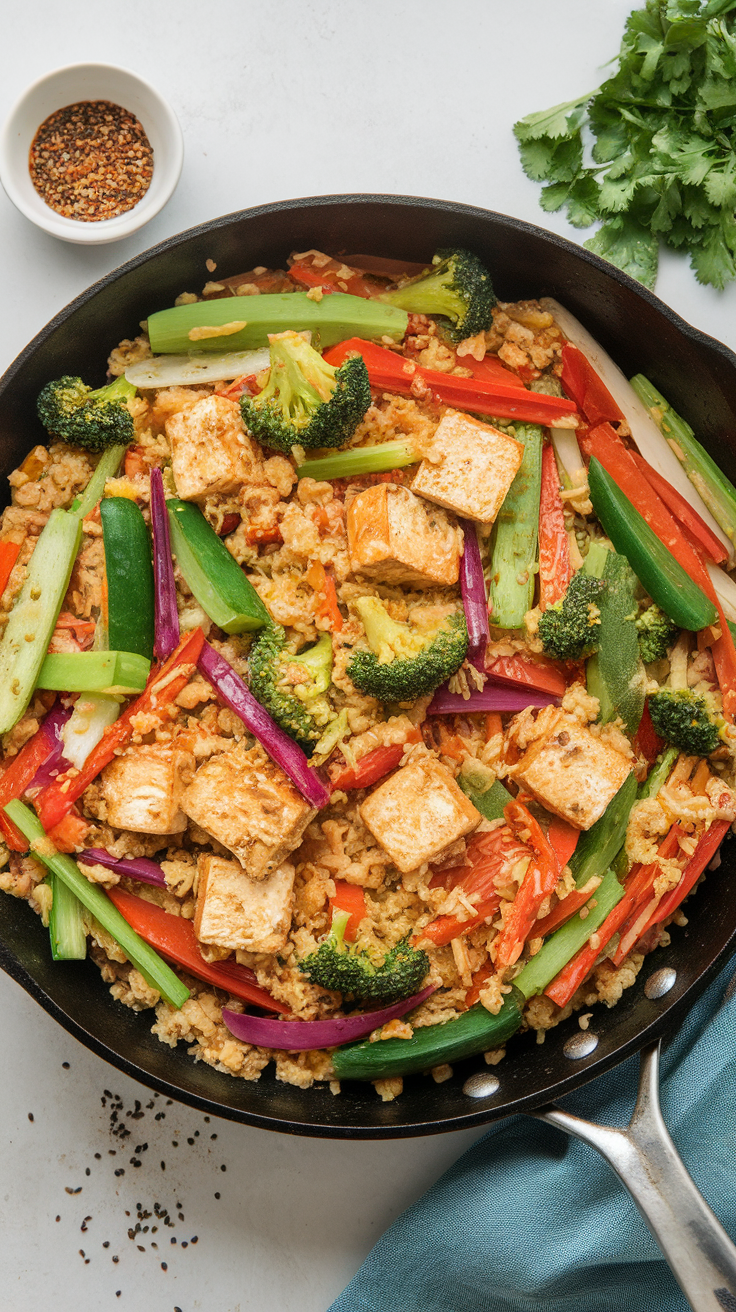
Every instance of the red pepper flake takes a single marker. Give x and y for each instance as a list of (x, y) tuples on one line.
[(91, 161)]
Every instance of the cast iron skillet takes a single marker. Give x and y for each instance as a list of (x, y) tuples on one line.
[(696, 373)]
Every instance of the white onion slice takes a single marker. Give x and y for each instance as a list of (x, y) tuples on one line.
[(651, 444), (186, 370), (725, 590)]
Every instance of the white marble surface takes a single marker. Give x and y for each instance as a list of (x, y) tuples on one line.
[(289, 99)]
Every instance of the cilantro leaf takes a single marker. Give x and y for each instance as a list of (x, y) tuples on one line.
[(560, 121), (713, 262), (629, 246)]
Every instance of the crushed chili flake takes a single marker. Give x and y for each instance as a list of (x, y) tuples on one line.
[(91, 161)]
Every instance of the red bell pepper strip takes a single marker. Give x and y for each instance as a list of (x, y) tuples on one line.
[(70, 833), (388, 370), (489, 855), (326, 607), (582, 383), (135, 462), (164, 685), (490, 370), (704, 852), (688, 518), (327, 277), (373, 766), (566, 908), (539, 881), (16, 778), (479, 978), (8, 556), (646, 741), (540, 674), (638, 882), (563, 839), (350, 898), (174, 937), (555, 569)]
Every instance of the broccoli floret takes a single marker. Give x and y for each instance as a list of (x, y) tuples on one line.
[(568, 630), (457, 287), (71, 411), (290, 686), (305, 401), (405, 661), (684, 718), (347, 970), (656, 634)]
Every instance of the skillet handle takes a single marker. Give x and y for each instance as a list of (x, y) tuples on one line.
[(699, 1252)]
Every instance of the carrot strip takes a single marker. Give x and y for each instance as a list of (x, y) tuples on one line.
[(539, 881), (582, 383), (479, 979), (566, 908), (8, 555)]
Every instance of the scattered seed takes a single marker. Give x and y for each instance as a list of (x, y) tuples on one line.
[(30, 1116)]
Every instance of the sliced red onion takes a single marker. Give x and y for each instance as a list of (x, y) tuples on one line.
[(475, 600), (493, 697), (136, 867), (166, 631), (55, 762), (303, 1035), (281, 748)]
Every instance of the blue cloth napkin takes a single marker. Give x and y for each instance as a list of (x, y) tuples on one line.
[(529, 1218)]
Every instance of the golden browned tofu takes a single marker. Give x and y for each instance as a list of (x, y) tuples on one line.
[(569, 770), (235, 911), (396, 537), (469, 468), (247, 803), (144, 787), (210, 450), (418, 812)]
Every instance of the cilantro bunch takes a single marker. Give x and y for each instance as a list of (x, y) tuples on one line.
[(664, 144)]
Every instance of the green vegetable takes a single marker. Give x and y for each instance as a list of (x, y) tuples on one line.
[(561, 946), (684, 718), (614, 674), (72, 412), (656, 634), (661, 575), (597, 846), (457, 287), (149, 963), (405, 661), (718, 493), (305, 400), (514, 556), (331, 320), (35, 612), (93, 713), (659, 774), (664, 149), (349, 970), (67, 929), (432, 1045), (107, 467), (487, 794), (360, 460), (215, 578), (129, 573), (119, 672), (570, 629), (291, 685)]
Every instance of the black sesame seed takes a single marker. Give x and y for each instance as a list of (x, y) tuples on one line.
[(190, 1141), (116, 1259), (98, 1157), (213, 1136), (194, 1239), (87, 1171), (223, 1168), (30, 1116), (106, 1243), (163, 1166), (140, 1248), (217, 1195), (164, 1266), (65, 1065), (184, 1243)]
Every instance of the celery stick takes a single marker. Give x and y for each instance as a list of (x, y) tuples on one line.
[(718, 493), (250, 319), (33, 617), (597, 847), (153, 969), (659, 773), (120, 672), (514, 556), (66, 923), (561, 946), (489, 801), (107, 467), (360, 460)]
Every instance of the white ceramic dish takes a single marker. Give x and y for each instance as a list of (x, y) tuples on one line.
[(64, 87)]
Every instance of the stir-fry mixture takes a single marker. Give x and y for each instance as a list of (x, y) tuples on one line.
[(367, 671)]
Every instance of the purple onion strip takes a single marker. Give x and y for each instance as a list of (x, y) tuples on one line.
[(281, 748), (55, 762), (473, 590), (493, 697), (166, 632), (136, 867), (302, 1035)]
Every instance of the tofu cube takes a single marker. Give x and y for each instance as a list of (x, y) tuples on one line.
[(396, 537), (144, 787), (418, 812), (247, 803), (469, 468), (210, 450), (569, 770), (234, 911)]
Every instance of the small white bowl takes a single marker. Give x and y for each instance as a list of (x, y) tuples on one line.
[(65, 87)]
